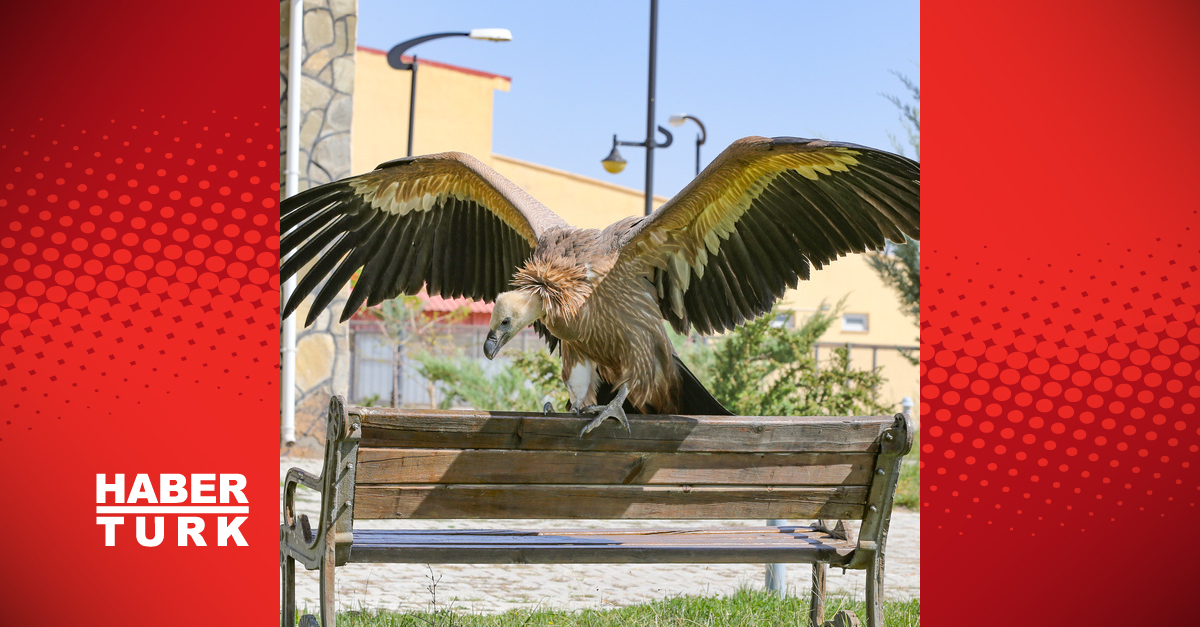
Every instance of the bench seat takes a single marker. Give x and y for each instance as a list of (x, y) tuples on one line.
[(729, 545)]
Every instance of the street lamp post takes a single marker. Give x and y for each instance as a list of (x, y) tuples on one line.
[(678, 120), (395, 58), (614, 163)]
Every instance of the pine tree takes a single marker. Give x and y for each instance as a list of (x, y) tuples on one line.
[(766, 369), (899, 267)]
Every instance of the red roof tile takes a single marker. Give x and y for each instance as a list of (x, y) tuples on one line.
[(439, 304)]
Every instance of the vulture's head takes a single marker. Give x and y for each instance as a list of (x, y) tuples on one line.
[(513, 311)]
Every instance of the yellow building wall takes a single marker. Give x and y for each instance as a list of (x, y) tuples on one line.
[(582, 201), (852, 278), (454, 112)]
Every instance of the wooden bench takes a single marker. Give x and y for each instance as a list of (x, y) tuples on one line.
[(383, 463)]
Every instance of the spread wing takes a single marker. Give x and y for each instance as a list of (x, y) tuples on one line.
[(444, 221), (761, 217)]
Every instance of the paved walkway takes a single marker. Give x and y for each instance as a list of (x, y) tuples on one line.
[(499, 588)]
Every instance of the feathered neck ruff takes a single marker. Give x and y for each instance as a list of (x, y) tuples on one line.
[(562, 285)]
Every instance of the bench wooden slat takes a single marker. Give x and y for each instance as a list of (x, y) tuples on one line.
[(409, 428), (408, 466), (568, 539), (797, 544), (695, 531), (607, 501)]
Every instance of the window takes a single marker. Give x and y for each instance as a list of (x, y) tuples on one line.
[(782, 320), (854, 323)]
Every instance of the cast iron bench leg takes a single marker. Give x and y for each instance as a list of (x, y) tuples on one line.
[(816, 609), (288, 612), (875, 592), (328, 598)]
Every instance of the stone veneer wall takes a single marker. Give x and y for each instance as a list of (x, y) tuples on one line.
[(326, 92)]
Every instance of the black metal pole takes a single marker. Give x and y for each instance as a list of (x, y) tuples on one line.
[(412, 104), (651, 138), (651, 141), (395, 59)]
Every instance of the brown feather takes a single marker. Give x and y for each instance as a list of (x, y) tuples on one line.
[(563, 286)]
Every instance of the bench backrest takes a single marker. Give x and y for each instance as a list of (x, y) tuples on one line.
[(470, 464)]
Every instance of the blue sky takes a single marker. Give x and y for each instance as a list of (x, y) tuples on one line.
[(746, 67)]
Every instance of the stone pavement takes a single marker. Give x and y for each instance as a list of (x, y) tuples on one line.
[(500, 588)]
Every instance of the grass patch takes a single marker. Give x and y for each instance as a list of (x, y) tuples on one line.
[(753, 608), (908, 490)]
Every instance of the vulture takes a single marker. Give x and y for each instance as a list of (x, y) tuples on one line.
[(760, 218)]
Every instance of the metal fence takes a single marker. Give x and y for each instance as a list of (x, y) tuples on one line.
[(859, 349), (378, 368)]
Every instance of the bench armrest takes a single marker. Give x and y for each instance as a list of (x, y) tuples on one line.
[(296, 534), (332, 531), (895, 443), (302, 477), (294, 477)]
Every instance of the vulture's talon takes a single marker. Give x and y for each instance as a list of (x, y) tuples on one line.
[(548, 408), (614, 409)]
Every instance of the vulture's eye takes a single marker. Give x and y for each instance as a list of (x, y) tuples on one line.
[(506, 322)]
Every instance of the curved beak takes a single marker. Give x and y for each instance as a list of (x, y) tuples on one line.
[(492, 344)]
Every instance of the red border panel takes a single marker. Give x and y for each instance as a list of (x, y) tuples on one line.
[(1060, 332), (139, 302)]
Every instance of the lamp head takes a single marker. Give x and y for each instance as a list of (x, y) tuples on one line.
[(614, 162), (491, 34), (677, 120)]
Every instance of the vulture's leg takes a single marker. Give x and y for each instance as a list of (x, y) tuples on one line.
[(612, 410)]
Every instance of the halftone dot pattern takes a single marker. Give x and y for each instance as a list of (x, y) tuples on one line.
[(1082, 415), (120, 277)]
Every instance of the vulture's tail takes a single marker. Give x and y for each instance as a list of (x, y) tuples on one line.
[(697, 400)]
